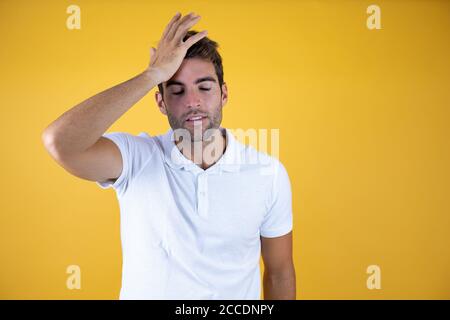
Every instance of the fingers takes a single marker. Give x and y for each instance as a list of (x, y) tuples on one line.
[(182, 26), (196, 37), (171, 23)]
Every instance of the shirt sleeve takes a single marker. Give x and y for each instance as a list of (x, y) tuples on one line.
[(136, 151), (278, 219)]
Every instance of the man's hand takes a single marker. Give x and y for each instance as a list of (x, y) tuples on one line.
[(167, 58)]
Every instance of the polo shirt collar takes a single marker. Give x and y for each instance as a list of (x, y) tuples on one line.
[(229, 161)]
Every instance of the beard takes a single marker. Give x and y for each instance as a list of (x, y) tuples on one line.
[(197, 132)]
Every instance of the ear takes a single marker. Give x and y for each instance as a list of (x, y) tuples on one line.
[(160, 102), (224, 94)]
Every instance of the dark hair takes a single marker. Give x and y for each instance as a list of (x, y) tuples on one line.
[(206, 49)]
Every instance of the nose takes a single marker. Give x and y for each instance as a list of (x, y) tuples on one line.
[(192, 99)]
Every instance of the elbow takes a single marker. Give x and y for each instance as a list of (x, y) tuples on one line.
[(286, 272), (48, 139)]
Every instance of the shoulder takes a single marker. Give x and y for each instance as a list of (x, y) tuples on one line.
[(137, 147), (250, 156), (143, 139)]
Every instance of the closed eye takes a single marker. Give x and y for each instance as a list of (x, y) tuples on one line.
[(180, 92)]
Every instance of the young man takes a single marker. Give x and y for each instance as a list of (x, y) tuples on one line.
[(196, 212)]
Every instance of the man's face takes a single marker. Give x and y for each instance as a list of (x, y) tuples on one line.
[(193, 91)]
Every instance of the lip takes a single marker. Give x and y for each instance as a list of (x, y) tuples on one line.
[(196, 122), (195, 116)]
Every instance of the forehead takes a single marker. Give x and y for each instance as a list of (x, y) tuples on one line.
[(193, 69)]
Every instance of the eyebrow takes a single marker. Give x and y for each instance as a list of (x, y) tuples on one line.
[(175, 82)]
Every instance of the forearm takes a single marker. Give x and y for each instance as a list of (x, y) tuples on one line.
[(279, 286), (80, 127)]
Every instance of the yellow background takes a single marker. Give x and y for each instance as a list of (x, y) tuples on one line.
[(364, 130)]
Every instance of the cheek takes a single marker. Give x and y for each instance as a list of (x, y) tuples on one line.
[(212, 98), (173, 108), (173, 100)]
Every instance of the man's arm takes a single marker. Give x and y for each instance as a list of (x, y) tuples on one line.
[(279, 273), (75, 139)]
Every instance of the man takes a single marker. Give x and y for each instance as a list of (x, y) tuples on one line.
[(196, 213)]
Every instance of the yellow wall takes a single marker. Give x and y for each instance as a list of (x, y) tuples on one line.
[(364, 129)]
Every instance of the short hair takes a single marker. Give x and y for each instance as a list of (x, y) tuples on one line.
[(205, 49)]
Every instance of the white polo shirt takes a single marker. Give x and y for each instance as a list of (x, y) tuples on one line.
[(189, 233)]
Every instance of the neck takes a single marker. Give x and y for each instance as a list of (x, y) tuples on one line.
[(205, 153)]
